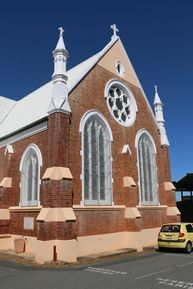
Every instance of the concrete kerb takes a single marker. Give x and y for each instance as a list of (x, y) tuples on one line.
[(28, 259)]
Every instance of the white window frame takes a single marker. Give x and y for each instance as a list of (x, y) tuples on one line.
[(155, 200), (23, 195), (129, 93), (86, 116)]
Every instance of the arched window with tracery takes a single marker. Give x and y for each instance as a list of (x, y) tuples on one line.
[(97, 167), (147, 169), (30, 176)]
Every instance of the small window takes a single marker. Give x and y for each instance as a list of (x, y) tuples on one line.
[(120, 68), (189, 228), (170, 229)]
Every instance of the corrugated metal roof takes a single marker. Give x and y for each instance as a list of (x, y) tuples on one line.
[(6, 105)]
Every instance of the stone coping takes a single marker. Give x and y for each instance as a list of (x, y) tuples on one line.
[(24, 209), (56, 215), (169, 186), (6, 182), (4, 214), (173, 211), (128, 182), (99, 208), (160, 207), (57, 173), (132, 213)]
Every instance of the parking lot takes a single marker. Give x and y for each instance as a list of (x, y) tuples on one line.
[(139, 271)]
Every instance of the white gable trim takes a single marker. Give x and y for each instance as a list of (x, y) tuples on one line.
[(24, 134)]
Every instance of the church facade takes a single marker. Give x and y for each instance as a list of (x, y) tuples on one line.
[(84, 161)]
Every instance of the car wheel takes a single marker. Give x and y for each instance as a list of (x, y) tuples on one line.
[(188, 248), (161, 249)]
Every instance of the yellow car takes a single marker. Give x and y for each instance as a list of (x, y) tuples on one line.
[(177, 236)]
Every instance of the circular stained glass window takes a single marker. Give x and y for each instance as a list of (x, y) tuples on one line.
[(121, 103)]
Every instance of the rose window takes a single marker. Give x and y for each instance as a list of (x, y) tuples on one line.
[(121, 104)]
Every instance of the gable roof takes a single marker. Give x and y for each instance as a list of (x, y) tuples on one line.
[(33, 107)]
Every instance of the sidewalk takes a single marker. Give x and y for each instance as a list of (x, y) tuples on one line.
[(23, 258), (29, 259)]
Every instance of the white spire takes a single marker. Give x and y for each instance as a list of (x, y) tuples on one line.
[(60, 44), (156, 98), (158, 108), (59, 100), (60, 55)]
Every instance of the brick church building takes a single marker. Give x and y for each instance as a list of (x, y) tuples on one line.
[(84, 162)]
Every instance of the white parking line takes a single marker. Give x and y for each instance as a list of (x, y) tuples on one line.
[(168, 269), (154, 273), (175, 283), (105, 271), (186, 264)]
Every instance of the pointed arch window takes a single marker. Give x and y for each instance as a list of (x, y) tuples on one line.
[(147, 170), (97, 168), (30, 177)]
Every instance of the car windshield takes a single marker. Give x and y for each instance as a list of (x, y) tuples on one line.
[(170, 229)]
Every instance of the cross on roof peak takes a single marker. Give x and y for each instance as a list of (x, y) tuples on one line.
[(115, 31), (61, 31)]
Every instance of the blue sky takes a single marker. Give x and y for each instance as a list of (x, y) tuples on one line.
[(158, 37)]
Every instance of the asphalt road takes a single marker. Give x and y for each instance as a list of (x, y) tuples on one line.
[(150, 270)]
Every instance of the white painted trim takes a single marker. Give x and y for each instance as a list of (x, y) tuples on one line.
[(138, 135), (38, 152), (24, 209), (126, 148), (88, 114), (158, 207), (117, 82), (9, 149), (121, 73), (99, 208), (24, 134)]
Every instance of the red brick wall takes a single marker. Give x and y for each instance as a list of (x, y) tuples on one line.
[(60, 146), (58, 140), (56, 230), (152, 218), (4, 228), (5, 197), (133, 225), (56, 193), (17, 223), (41, 140), (88, 95), (93, 222)]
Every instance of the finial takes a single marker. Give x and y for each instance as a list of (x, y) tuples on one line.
[(157, 99), (115, 31), (61, 31)]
